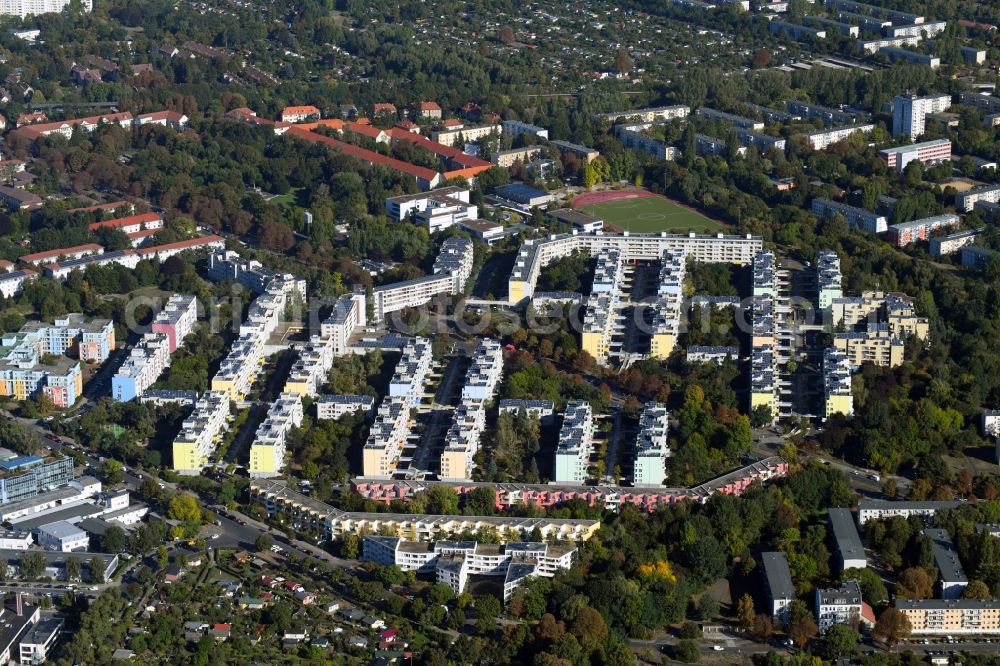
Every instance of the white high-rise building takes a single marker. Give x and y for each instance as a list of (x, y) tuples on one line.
[(910, 111), (24, 8)]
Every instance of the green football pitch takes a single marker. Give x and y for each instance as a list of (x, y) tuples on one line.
[(651, 214)]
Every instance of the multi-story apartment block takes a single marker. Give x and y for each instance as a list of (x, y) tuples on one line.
[(485, 373), (966, 201), (951, 617), (765, 280), (952, 580), (455, 561), (455, 259), (575, 442), (386, 438), (598, 323), (759, 141), (588, 155), (131, 223), (905, 55), (309, 371), (411, 371), (145, 363), (952, 243), (647, 115), (505, 159), (905, 233), (837, 397), (12, 283), (349, 313), (881, 509), (780, 589), (841, 605), (975, 257), (709, 145), (850, 550), (869, 46), (763, 380), (651, 449), (830, 117), (535, 255), (462, 441), (330, 407), (668, 305), (837, 27), (516, 127), (988, 103), (25, 8), (200, 433), (858, 218), (876, 345), (927, 152), (794, 30), (821, 139), (909, 113), (731, 118), (465, 134), (634, 137), (177, 319), (922, 29), (894, 310), (608, 272), (828, 279), (49, 256), (267, 453), (228, 265)]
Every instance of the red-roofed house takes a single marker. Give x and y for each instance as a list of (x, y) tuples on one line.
[(430, 110), (65, 127), (389, 635), (385, 108), (373, 133), (220, 631), (491, 117), (452, 124), (31, 118), (472, 111), (867, 615), (427, 179), (297, 114), (113, 207), (409, 126), (131, 223), (140, 238), (172, 119)]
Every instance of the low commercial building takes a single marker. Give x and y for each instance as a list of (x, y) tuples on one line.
[(780, 589), (952, 580), (55, 562), (935, 151), (62, 536), (330, 407), (881, 509), (849, 549), (651, 449), (580, 221), (524, 195), (905, 233), (575, 443)]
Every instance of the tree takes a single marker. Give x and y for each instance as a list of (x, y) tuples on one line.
[(350, 546), (589, 628), (623, 63), (507, 35), (95, 569), (690, 630), (892, 626), (488, 609), (32, 565), (688, 651), (184, 506), (976, 589), (745, 612), (841, 641), (761, 58), (873, 590), (442, 500), (264, 542), (111, 472), (914, 583), (114, 540), (74, 568), (801, 626), (763, 626)]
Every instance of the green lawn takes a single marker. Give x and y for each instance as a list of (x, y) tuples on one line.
[(651, 214)]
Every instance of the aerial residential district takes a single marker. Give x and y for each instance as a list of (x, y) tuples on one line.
[(499, 333)]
